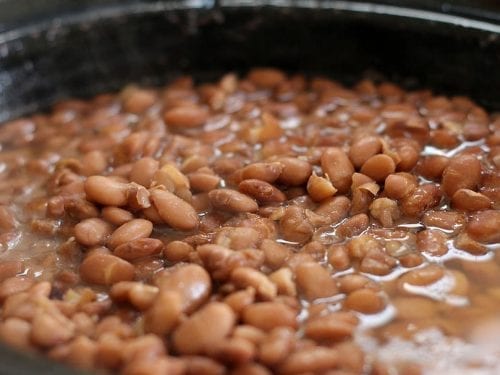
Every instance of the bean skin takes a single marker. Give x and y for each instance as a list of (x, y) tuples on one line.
[(174, 211)]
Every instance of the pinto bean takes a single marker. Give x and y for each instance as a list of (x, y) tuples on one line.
[(363, 149), (105, 269), (245, 277), (92, 232), (338, 168), (232, 201), (483, 226), (295, 171), (468, 200), (432, 242), (106, 191), (269, 315), (204, 329), (268, 172), (463, 172), (366, 301), (174, 211), (313, 360), (188, 116), (332, 327), (164, 313), (294, 225), (266, 77), (138, 248), (379, 167), (262, 191), (320, 188), (131, 230), (143, 171), (314, 281), (116, 215), (399, 185)]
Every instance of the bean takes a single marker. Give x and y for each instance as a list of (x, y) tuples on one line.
[(105, 269), (283, 278), (338, 168), (247, 277), (335, 208), (423, 197), (164, 314), (385, 210), (363, 149), (138, 294), (138, 248), (275, 253), (295, 226), (378, 167), (250, 369), (468, 200), (414, 308), (444, 219), (143, 171), (16, 332), (50, 329), (14, 285), (203, 365), (366, 301), (433, 166), (295, 171), (232, 201), (267, 78), (116, 216), (483, 226), (276, 346), (310, 360), (106, 191), (92, 232), (203, 182), (269, 315), (262, 191), (177, 251), (432, 242), (190, 281), (268, 172), (352, 282), (332, 327), (94, 163), (399, 185), (186, 116), (204, 329), (235, 351), (136, 100), (422, 276), (8, 221), (338, 257), (10, 268), (353, 226), (464, 242), (240, 299), (320, 188), (131, 230), (174, 211), (314, 281), (462, 172)]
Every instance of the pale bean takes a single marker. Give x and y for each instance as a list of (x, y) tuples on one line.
[(116, 215), (138, 248), (379, 167), (244, 277), (269, 315), (240, 299), (177, 251), (92, 232), (190, 281), (174, 211), (462, 172), (314, 281), (295, 171), (105, 269), (164, 314), (320, 188), (203, 182), (232, 201), (268, 172), (143, 171), (262, 191), (468, 200), (204, 329), (106, 191), (131, 230), (338, 168)]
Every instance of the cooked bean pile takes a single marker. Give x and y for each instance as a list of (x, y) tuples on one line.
[(269, 224)]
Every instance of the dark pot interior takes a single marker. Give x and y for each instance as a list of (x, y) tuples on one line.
[(103, 48)]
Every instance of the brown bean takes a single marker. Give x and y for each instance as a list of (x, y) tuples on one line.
[(203, 182), (335, 208), (338, 168), (366, 301), (232, 201), (320, 188), (483, 226), (310, 360), (174, 211), (131, 230), (244, 277), (188, 116), (268, 172), (105, 269), (468, 200), (353, 226), (464, 242), (283, 278), (106, 191), (203, 366), (204, 329), (335, 326), (338, 257), (267, 78), (190, 281), (433, 166), (262, 191), (140, 295), (177, 251), (432, 242), (269, 315), (423, 197), (116, 215), (50, 329), (276, 346), (363, 149), (314, 281), (275, 253), (8, 221), (143, 171), (295, 226), (14, 285), (385, 210), (448, 220), (138, 248), (414, 308), (379, 167), (295, 171), (399, 185), (164, 314), (240, 299), (462, 172), (92, 232), (421, 276), (16, 332)]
